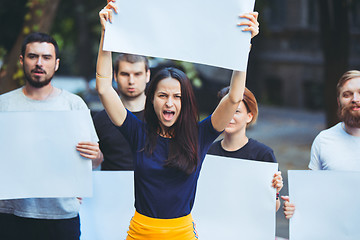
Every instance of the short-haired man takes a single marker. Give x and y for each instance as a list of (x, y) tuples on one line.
[(337, 148), (131, 73), (42, 218)]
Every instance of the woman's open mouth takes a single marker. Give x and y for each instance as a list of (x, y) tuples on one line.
[(168, 115)]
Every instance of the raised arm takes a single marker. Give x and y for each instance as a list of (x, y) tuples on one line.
[(108, 96), (228, 105)]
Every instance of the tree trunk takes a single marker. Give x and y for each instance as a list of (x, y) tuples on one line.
[(39, 18), (335, 39), (84, 57)]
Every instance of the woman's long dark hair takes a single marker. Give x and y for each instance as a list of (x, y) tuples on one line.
[(183, 149)]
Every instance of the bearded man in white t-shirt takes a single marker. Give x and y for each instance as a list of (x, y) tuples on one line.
[(338, 148)]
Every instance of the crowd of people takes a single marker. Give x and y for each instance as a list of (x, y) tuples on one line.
[(151, 127)]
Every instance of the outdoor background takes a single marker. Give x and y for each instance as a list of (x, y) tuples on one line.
[(304, 46)]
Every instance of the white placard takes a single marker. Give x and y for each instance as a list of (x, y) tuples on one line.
[(200, 31), (327, 205), (108, 213), (235, 199), (38, 154)]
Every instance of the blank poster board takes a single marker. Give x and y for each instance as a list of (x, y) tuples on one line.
[(235, 199), (327, 205), (38, 154), (200, 31), (107, 214)]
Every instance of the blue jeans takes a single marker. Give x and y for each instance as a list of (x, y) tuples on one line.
[(19, 228)]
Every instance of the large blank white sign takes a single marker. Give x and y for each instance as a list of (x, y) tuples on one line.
[(108, 213), (327, 205), (200, 31), (38, 154), (234, 200)]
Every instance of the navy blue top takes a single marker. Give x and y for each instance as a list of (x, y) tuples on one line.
[(162, 192), (252, 150)]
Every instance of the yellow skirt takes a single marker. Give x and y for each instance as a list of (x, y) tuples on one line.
[(143, 227)]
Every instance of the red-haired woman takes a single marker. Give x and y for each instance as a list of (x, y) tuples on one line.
[(236, 144), (170, 145)]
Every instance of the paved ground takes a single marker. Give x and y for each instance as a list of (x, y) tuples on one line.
[(290, 133)]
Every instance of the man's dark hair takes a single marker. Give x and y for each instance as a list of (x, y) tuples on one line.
[(131, 58), (39, 37)]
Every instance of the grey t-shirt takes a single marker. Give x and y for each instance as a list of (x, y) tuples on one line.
[(42, 208)]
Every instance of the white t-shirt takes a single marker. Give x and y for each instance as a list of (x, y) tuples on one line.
[(335, 149), (42, 208)]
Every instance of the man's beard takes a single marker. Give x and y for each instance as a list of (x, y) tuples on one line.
[(36, 84), (349, 117)]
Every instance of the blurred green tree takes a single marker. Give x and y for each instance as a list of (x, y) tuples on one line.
[(38, 16), (77, 31)]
